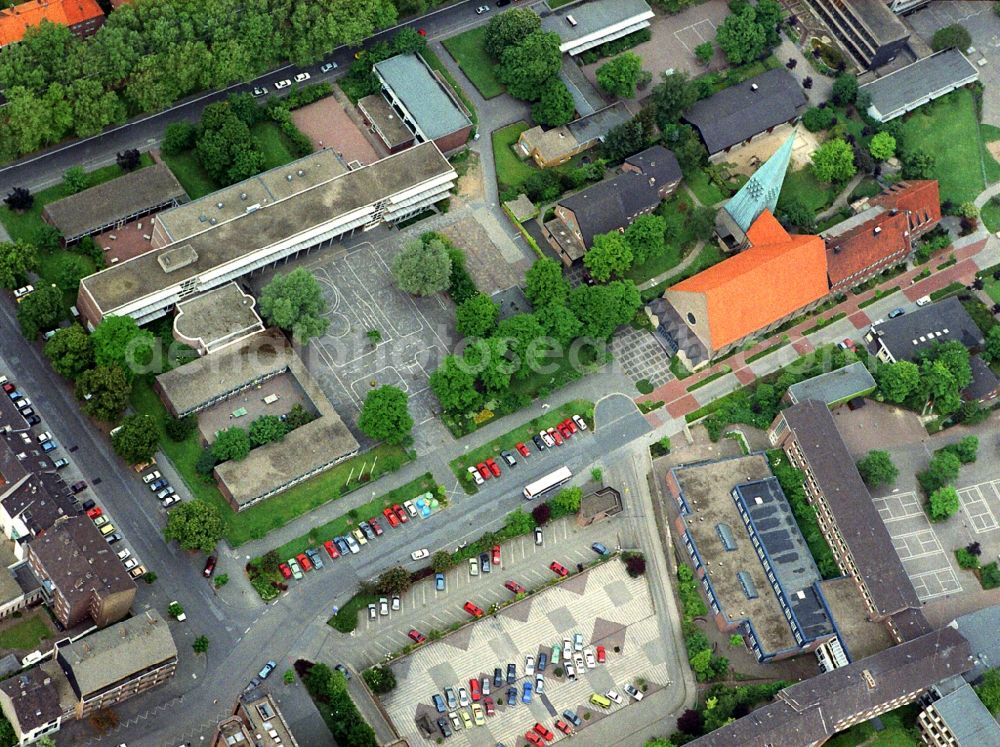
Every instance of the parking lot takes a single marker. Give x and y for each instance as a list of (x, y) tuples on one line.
[(604, 605), (927, 562), (522, 560)]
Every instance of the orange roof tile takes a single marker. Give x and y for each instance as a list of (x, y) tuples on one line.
[(859, 248), (777, 275), (920, 197), (18, 19)]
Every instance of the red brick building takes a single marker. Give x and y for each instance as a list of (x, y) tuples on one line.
[(83, 17)]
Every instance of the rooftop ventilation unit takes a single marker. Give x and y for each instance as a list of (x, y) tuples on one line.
[(203, 217), (219, 205), (754, 86), (571, 20), (243, 195), (288, 177), (300, 172), (878, 230)]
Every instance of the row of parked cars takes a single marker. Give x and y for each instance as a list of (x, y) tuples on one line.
[(103, 522), (546, 439), (479, 700), (161, 488)]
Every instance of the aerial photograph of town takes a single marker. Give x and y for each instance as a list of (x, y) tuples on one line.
[(402, 373)]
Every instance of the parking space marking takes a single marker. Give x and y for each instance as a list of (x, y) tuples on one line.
[(976, 506)]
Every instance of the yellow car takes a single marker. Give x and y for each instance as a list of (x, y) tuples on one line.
[(477, 714), (465, 719), (107, 529), (359, 54), (360, 537)]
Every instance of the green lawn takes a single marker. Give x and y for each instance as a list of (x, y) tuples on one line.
[(675, 251), (190, 174), (273, 144), (22, 226), (523, 432), (470, 53), (257, 521), (320, 534), (706, 191), (990, 134), (25, 635), (991, 215), (900, 731), (811, 191), (947, 129), (992, 288), (511, 170)]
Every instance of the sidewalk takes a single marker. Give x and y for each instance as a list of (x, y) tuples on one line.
[(973, 254)]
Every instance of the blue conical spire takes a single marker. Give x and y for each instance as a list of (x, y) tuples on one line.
[(763, 188)]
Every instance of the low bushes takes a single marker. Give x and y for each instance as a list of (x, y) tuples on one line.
[(329, 689)]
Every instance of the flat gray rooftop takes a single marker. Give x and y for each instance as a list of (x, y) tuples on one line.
[(380, 112), (902, 89), (835, 386), (876, 16), (136, 192), (424, 96), (336, 195), (214, 318), (592, 17)]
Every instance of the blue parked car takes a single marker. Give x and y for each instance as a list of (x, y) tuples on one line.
[(438, 702), (526, 695), (599, 548), (511, 696), (543, 659), (439, 581)]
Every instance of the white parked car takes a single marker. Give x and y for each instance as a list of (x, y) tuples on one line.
[(283, 84), (410, 509), (529, 665), (327, 67), (130, 563), (589, 656), (473, 567), (476, 476), (259, 91), (383, 606), (43, 437), (372, 612), (420, 554), (633, 692), (923, 300), (395, 603), (613, 695), (170, 500), (154, 475), (22, 292), (482, 9), (549, 441), (302, 77), (123, 554), (580, 423)]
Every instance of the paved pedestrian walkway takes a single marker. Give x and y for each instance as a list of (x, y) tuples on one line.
[(973, 254)]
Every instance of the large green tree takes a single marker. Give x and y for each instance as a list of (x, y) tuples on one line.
[(609, 255), (943, 503), (942, 470), (384, 415), (645, 238), (265, 429), (628, 138), (601, 309), (488, 359), (225, 147), (17, 259), (546, 286), (526, 67), (195, 525), (294, 302), (561, 324), (40, 311), (670, 98), (897, 381), (477, 317), (620, 75), (833, 161), (507, 29), (845, 89), (523, 334), (118, 341), (741, 37), (877, 469), (955, 35), (137, 439), (231, 444), (882, 146), (455, 387), (104, 391), (423, 268), (988, 688), (70, 351), (940, 386), (555, 106)]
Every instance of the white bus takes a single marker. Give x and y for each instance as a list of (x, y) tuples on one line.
[(550, 482)]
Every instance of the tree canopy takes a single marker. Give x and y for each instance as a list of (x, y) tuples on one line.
[(845, 89), (555, 106), (944, 503), (294, 302), (17, 259), (455, 386), (609, 255), (955, 35), (620, 75), (897, 381), (477, 317), (546, 286), (70, 351), (671, 97), (104, 391), (118, 341), (137, 439), (741, 37), (882, 146), (527, 66), (833, 161), (601, 309), (645, 237), (423, 268), (507, 29), (877, 469), (384, 415), (195, 525), (40, 311), (231, 444)]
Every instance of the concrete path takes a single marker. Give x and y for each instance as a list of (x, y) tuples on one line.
[(842, 198)]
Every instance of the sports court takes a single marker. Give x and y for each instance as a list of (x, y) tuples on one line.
[(925, 559)]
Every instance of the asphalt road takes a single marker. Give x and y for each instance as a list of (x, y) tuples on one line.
[(46, 167)]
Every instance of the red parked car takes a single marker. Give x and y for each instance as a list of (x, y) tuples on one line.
[(417, 636), (9, 387), (496, 554), (484, 470), (533, 739), (515, 587), (209, 566), (390, 517), (564, 431), (331, 549), (601, 655), (400, 513), (558, 568), (564, 727), (373, 523), (488, 704), (544, 731), (475, 692), (494, 467), (568, 422), (556, 436), (94, 512), (285, 570), (472, 609), (304, 561), (522, 450)]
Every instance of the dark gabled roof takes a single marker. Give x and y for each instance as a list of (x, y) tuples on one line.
[(984, 381), (908, 87), (854, 513), (739, 112), (608, 205), (34, 699), (905, 337), (810, 711)]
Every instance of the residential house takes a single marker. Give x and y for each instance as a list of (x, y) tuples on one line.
[(30, 702), (736, 115), (647, 178), (556, 146), (907, 336)]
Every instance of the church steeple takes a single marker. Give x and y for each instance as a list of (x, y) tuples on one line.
[(762, 190)]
